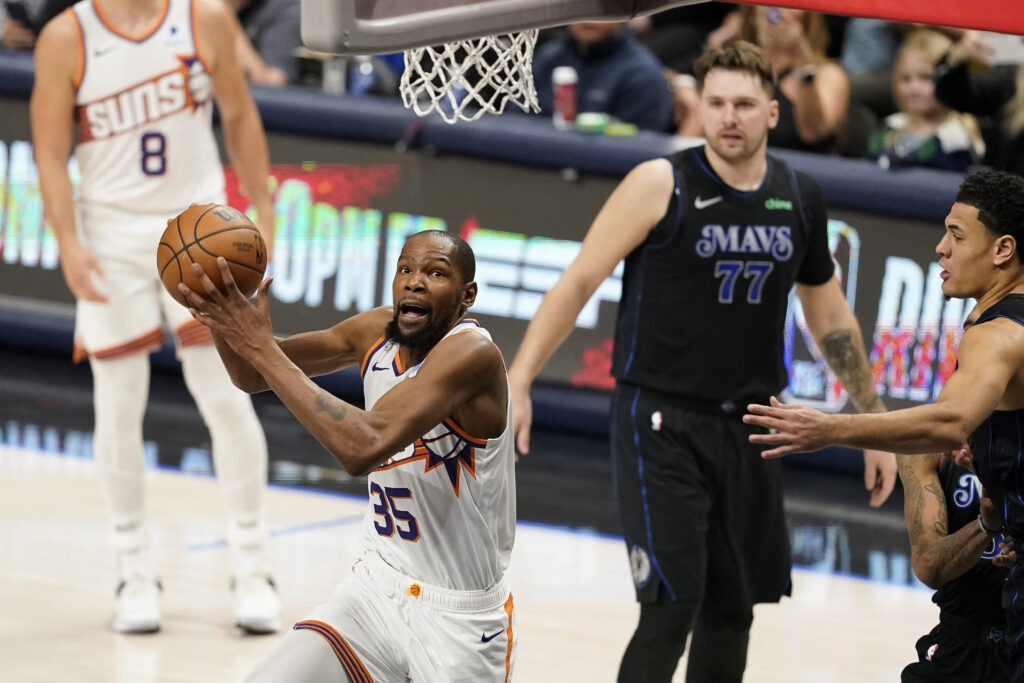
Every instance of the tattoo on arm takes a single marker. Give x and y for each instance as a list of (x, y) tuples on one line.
[(914, 506), (335, 409), (851, 367), (939, 524)]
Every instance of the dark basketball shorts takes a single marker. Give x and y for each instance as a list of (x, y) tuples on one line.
[(701, 510), (960, 652)]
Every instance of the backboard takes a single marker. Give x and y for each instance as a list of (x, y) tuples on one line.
[(377, 26)]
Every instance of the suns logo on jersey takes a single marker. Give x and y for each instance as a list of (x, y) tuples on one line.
[(451, 449), (186, 87)]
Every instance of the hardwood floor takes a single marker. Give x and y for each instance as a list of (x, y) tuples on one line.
[(572, 590)]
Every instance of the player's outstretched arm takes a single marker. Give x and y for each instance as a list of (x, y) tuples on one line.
[(937, 555), (464, 380), (240, 120), (625, 220), (989, 356), (239, 322), (838, 336), (52, 107)]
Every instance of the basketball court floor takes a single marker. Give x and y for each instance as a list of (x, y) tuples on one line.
[(854, 617)]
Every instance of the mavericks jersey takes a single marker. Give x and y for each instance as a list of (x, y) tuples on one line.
[(143, 114), (443, 510), (704, 297), (974, 595), (997, 443)]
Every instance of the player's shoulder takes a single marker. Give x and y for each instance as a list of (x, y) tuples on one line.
[(471, 351), (363, 330), (56, 49), (803, 183), (651, 177), (60, 32), (213, 15), (994, 338)]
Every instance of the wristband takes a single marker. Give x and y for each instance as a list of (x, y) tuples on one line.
[(986, 531)]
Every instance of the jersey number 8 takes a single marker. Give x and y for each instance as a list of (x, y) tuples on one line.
[(154, 159)]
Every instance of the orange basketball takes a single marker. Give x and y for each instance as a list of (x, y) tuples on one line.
[(200, 234)]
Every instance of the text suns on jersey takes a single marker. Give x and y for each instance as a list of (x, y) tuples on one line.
[(186, 87)]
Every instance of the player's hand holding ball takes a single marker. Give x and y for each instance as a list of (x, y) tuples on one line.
[(212, 259), (199, 235)]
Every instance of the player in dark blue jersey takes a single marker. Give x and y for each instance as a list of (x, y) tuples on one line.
[(714, 239), (956, 550), (982, 402)]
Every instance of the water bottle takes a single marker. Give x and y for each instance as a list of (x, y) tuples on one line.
[(564, 81)]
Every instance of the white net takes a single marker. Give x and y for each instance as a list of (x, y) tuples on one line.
[(466, 79)]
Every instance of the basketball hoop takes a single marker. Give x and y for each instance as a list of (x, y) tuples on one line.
[(466, 79)]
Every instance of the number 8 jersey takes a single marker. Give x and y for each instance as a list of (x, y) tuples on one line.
[(443, 510), (143, 113)]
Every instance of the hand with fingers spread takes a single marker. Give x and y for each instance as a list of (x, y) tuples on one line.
[(794, 428), (243, 324)]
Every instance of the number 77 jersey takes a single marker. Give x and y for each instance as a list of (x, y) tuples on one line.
[(443, 510), (143, 112)]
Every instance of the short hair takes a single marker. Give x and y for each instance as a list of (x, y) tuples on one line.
[(737, 55), (999, 198), (465, 261)]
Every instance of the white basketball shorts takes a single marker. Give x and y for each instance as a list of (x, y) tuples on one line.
[(385, 626)]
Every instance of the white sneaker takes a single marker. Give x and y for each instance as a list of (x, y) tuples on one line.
[(257, 607), (137, 609)]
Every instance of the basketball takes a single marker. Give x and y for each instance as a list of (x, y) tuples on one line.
[(200, 234)]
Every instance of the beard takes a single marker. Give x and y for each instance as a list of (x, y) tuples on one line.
[(424, 338)]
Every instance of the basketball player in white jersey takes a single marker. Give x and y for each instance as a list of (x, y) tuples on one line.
[(426, 601), (130, 82)]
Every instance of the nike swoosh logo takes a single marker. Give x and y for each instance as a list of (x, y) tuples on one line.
[(484, 638), (376, 369), (705, 203), (102, 51)]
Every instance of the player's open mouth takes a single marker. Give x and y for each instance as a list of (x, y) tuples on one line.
[(412, 312)]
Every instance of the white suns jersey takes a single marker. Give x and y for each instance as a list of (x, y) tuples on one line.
[(143, 114), (443, 510)]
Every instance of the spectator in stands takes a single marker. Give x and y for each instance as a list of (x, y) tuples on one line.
[(617, 75), (270, 35), (994, 94), (867, 56), (19, 24), (813, 92), (924, 132), (678, 36)]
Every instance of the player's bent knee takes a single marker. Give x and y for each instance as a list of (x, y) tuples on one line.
[(301, 656)]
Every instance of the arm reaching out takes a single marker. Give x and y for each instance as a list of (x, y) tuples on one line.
[(623, 223)]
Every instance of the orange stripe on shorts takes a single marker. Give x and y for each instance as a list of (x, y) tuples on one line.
[(350, 661)]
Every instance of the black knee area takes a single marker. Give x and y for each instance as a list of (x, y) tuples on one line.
[(718, 649), (658, 642)]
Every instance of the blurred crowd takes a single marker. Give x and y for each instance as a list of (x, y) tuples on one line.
[(901, 94)]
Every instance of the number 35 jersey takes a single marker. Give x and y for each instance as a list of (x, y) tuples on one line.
[(443, 510), (143, 113)]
